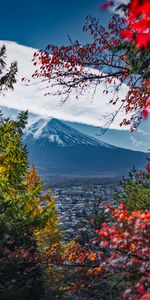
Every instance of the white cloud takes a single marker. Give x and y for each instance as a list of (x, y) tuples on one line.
[(83, 110), (143, 132), (136, 142)]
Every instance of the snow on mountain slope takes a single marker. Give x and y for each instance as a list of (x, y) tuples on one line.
[(55, 131), (57, 149), (138, 141), (86, 110)]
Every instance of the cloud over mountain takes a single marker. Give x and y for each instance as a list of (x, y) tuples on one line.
[(87, 109)]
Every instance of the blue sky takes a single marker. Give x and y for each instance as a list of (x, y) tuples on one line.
[(37, 23)]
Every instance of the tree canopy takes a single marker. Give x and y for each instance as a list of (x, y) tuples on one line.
[(7, 75), (28, 218)]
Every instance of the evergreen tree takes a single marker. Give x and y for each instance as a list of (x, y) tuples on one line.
[(7, 76), (134, 190), (28, 218)]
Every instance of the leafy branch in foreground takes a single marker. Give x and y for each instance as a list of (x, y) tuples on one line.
[(7, 75), (109, 60)]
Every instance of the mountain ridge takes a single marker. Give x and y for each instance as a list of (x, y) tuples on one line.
[(57, 149), (58, 132), (137, 141)]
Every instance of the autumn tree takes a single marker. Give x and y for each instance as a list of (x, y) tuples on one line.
[(114, 264), (116, 57), (127, 239), (28, 217), (138, 29)]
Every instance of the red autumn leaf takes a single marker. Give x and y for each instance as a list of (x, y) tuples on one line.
[(145, 297), (148, 167), (107, 4), (145, 113)]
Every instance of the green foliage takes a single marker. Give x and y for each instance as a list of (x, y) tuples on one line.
[(135, 191), (7, 76), (28, 217), (98, 215)]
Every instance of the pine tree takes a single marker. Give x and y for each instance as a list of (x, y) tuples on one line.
[(28, 218), (7, 76), (134, 190)]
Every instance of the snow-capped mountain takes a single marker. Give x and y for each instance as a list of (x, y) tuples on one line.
[(57, 132), (137, 141), (57, 148)]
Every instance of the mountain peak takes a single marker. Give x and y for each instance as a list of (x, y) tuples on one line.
[(55, 131)]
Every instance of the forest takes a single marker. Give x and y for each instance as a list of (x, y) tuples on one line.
[(113, 260)]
